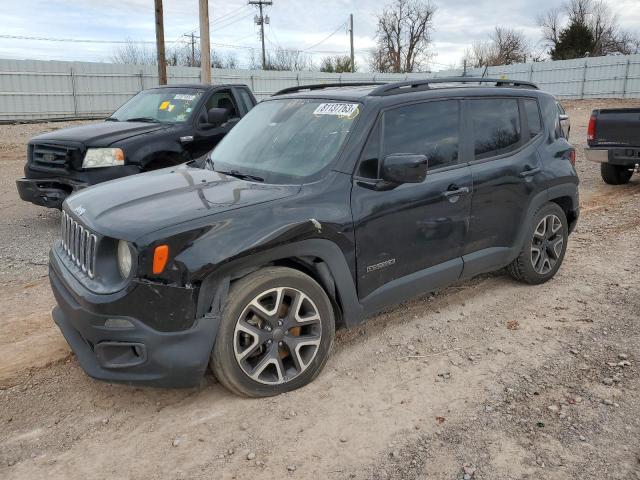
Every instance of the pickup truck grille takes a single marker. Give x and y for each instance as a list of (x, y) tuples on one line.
[(79, 243), (51, 156)]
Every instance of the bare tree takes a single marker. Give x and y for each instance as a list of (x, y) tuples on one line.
[(505, 47), (594, 15), (403, 36), (286, 59), (134, 53)]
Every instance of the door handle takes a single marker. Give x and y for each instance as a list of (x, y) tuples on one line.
[(454, 191), (527, 172)]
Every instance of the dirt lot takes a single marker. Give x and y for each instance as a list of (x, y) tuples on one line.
[(489, 378)]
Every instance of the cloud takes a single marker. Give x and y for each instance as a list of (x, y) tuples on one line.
[(297, 24)]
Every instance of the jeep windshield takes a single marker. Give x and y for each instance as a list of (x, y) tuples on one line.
[(159, 105), (286, 141)]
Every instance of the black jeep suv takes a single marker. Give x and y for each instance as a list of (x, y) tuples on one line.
[(322, 206)]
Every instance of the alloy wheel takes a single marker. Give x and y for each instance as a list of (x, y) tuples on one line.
[(547, 244), (277, 335)]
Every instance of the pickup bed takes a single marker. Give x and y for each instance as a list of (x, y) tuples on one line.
[(158, 127), (613, 137)]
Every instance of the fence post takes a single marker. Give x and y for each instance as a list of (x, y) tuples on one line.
[(298, 79), (584, 79), (626, 79), (531, 72), (141, 75), (73, 92), (253, 87)]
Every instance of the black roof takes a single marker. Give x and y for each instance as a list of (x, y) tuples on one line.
[(200, 86)]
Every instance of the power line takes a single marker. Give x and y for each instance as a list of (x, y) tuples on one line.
[(81, 40), (342, 25)]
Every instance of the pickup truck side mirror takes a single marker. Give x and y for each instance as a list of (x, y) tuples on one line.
[(401, 168), (217, 116), (563, 117)]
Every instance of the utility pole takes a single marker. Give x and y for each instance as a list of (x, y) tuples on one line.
[(205, 47), (261, 21), (193, 37), (162, 60), (353, 63)]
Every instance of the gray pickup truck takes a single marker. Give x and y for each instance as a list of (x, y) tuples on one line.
[(613, 137)]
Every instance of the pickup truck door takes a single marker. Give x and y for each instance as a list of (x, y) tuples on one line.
[(414, 233), (205, 137)]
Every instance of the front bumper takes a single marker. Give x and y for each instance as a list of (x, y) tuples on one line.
[(49, 188), (47, 192), (135, 353), (625, 157)]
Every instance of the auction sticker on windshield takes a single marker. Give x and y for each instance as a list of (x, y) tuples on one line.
[(338, 109)]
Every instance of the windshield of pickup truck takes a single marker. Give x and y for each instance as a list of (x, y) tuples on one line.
[(170, 105), (286, 141)]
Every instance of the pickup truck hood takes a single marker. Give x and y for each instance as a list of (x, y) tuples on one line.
[(100, 134), (131, 207)]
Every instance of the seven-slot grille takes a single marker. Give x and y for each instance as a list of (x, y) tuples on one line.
[(51, 156), (79, 244)]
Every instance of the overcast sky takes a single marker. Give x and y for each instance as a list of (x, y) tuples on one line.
[(297, 24)]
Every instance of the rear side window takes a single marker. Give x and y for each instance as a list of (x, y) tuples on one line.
[(496, 126), (430, 128), (533, 117)]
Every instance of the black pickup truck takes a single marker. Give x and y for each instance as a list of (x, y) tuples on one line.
[(613, 137), (156, 128)]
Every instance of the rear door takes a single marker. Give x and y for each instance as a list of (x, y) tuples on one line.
[(412, 227), (506, 172)]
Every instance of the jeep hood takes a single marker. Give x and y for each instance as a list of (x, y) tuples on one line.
[(134, 206), (100, 134)]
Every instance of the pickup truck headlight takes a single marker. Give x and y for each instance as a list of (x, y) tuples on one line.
[(125, 259), (103, 157)]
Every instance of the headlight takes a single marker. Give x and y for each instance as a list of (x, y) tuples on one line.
[(124, 259), (103, 157)]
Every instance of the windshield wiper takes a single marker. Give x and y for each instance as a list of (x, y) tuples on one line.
[(111, 119), (242, 176), (142, 119)]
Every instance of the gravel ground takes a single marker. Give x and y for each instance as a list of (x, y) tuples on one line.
[(487, 379)]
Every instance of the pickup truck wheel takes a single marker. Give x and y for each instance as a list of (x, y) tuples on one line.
[(276, 332), (615, 174), (544, 250)]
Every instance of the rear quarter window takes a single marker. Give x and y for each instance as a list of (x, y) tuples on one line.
[(496, 126), (533, 117)]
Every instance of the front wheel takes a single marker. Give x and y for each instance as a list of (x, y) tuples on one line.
[(615, 174), (276, 332), (545, 248)]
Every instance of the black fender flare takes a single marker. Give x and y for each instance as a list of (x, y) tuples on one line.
[(215, 286), (543, 197)]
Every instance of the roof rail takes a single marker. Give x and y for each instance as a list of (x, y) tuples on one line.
[(423, 84), (320, 86)]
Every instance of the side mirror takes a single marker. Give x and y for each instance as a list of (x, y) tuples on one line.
[(563, 117), (217, 116), (404, 168)]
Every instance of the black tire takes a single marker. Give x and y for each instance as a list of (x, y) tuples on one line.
[(292, 373), (531, 268), (615, 174)]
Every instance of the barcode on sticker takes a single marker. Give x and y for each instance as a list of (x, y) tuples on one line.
[(184, 96), (339, 109)]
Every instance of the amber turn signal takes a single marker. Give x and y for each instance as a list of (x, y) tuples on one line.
[(160, 257)]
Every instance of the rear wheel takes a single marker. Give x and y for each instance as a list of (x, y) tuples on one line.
[(615, 174), (276, 332), (544, 250)]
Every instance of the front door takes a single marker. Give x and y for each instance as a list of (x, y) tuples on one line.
[(404, 231), (206, 136)]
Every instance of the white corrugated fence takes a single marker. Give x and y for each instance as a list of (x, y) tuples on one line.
[(31, 89)]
